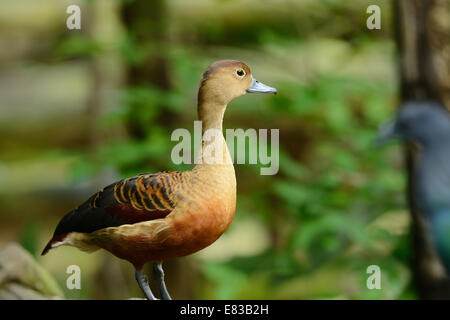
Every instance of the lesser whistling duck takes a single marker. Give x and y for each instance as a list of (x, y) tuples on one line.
[(154, 217)]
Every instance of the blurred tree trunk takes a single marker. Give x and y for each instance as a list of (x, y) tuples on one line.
[(100, 27), (145, 22), (424, 53)]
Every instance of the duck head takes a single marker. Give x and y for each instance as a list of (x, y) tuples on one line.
[(225, 80)]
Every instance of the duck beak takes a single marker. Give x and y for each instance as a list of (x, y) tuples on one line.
[(386, 132), (260, 87)]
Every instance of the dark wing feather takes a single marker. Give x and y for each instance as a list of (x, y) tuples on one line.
[(141, 198)]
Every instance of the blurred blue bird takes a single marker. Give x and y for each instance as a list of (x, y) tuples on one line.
[(427, 124)]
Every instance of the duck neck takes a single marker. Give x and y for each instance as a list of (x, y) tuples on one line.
[(211, 116), (214, 150)]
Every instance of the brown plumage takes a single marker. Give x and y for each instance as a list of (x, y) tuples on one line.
[(154, 217)]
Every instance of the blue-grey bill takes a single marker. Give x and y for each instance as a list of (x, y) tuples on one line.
[(261, 87)]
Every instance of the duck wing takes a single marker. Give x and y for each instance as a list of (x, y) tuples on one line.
[(141, 198)]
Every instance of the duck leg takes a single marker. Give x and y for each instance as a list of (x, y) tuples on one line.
[(158, 274), (143, 284)]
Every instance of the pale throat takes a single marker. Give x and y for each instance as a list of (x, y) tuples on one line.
[(214, 150)]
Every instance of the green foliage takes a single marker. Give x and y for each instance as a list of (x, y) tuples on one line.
[(28, 237), (77, 45)]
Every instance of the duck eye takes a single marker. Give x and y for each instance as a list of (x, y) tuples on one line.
[(240, 72)]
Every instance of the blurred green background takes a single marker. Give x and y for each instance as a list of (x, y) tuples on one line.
[(80, 109)]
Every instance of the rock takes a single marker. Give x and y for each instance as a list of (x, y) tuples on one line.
[(22, 278)]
